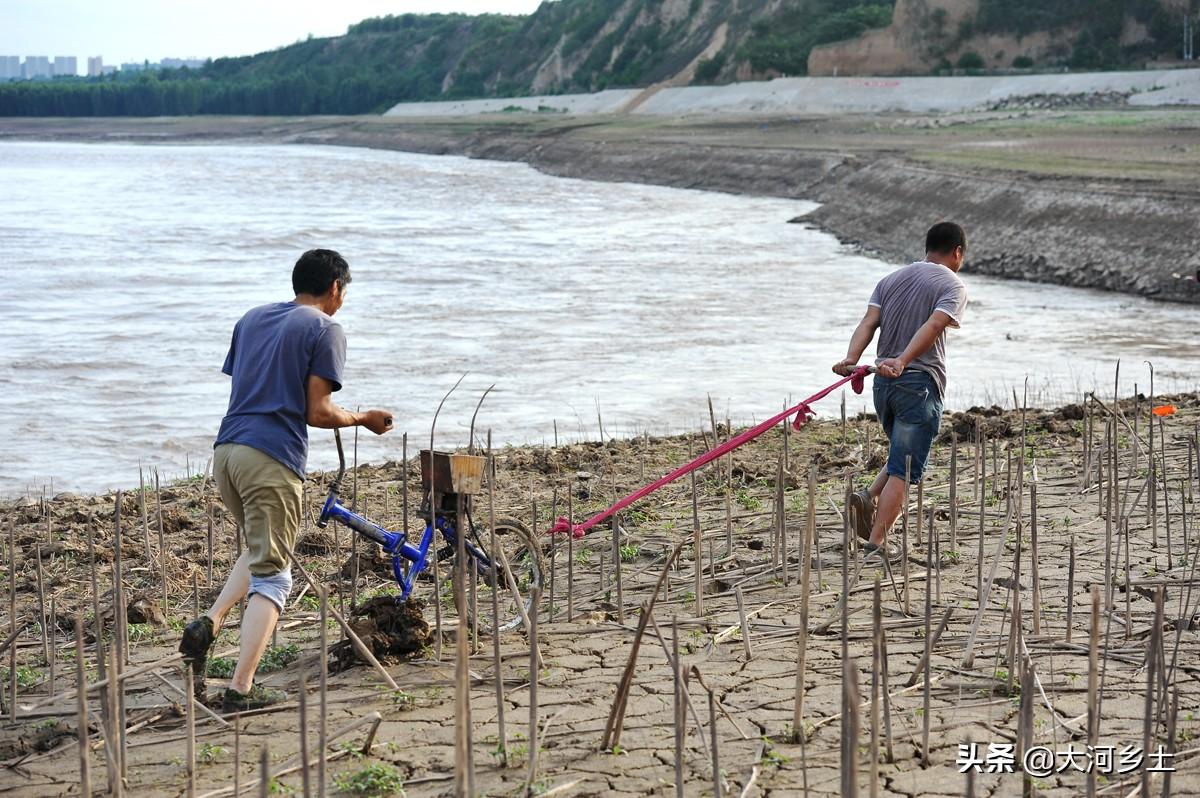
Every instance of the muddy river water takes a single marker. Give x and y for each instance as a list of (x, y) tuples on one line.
[(126, 266)]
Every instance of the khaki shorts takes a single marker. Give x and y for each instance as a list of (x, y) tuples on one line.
[(265, 498)]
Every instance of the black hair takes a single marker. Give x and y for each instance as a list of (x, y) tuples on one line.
[(317, 270), (944, 237)]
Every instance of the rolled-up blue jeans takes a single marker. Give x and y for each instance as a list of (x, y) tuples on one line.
[(910, 409)]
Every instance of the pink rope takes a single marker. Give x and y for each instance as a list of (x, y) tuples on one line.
[(803, 414)]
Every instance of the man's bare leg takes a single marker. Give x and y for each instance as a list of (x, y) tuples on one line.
[(876, 488), (891, 502), (234, 591), (257, 624)]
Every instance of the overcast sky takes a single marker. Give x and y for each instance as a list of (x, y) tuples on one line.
[(137, 30)]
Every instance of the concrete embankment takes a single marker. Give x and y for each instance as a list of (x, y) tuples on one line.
[(859, 95)]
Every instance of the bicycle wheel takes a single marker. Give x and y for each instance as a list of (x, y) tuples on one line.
[(501, 609)]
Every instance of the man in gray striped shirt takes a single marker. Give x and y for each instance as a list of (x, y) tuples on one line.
[(911, 308)]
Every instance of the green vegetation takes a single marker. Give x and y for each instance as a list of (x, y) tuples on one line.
[(772, 758), (27, 676), (371, 781), (209, 753), (970, 60), (746, 500), (276, 658), (277, 787), (709, 68), (352, 748), (1099, 23), (402, 700), (139, 632), (221, 667), (782, 43)]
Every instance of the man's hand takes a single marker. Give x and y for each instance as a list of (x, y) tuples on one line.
[(892, 367), (844, 368), (323, 413), (863, 334), (378, 421)]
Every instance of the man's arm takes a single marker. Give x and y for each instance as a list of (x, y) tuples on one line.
[(859, 341), (924, 338), (322, 412)]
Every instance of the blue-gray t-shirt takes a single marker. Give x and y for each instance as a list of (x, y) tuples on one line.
[(274, 350), (906, 299)]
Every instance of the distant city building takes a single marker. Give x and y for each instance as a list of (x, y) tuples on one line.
[(179, 63), (41, 66), (36, 66), (66, 65)]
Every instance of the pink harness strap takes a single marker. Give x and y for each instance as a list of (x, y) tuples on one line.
[(803, 414)]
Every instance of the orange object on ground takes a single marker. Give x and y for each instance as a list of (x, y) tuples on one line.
[(1164, 410)]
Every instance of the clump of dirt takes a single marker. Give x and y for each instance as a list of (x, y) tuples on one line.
[(360, 563), (316, 541), (998, 423), (390, 627), (144, 609), (39, 738), (175, 520)]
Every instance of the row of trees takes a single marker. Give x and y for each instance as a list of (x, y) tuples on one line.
[(296, 94)]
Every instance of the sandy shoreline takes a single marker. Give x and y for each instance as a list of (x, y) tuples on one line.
[(1090, 198)]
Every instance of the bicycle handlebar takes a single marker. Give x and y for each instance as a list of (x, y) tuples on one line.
[(337, 481)]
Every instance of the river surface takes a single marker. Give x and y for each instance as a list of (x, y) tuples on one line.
[(126, 266)]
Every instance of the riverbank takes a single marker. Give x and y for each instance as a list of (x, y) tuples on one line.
[(1100, 198), (975, 520)]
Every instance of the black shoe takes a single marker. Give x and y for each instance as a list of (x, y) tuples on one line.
[(257, 698), (195, 645), (873, 554), (862, 513)]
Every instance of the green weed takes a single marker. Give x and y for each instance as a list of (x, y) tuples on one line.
[(221, 667), (353, 748), (139, 632), (747, 501), (27, 676), (209, 753), (772, 758), (370, 781), (277, 787), (276, 658), (403, 701)]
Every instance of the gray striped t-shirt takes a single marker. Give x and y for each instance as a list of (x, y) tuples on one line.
[(906, 299)]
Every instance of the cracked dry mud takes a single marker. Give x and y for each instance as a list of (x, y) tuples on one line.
[(584, 655)]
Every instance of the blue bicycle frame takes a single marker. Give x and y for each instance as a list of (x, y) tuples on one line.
[(395, 544)]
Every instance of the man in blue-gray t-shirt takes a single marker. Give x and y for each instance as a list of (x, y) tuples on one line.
[(912, 309), (286, 361)]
